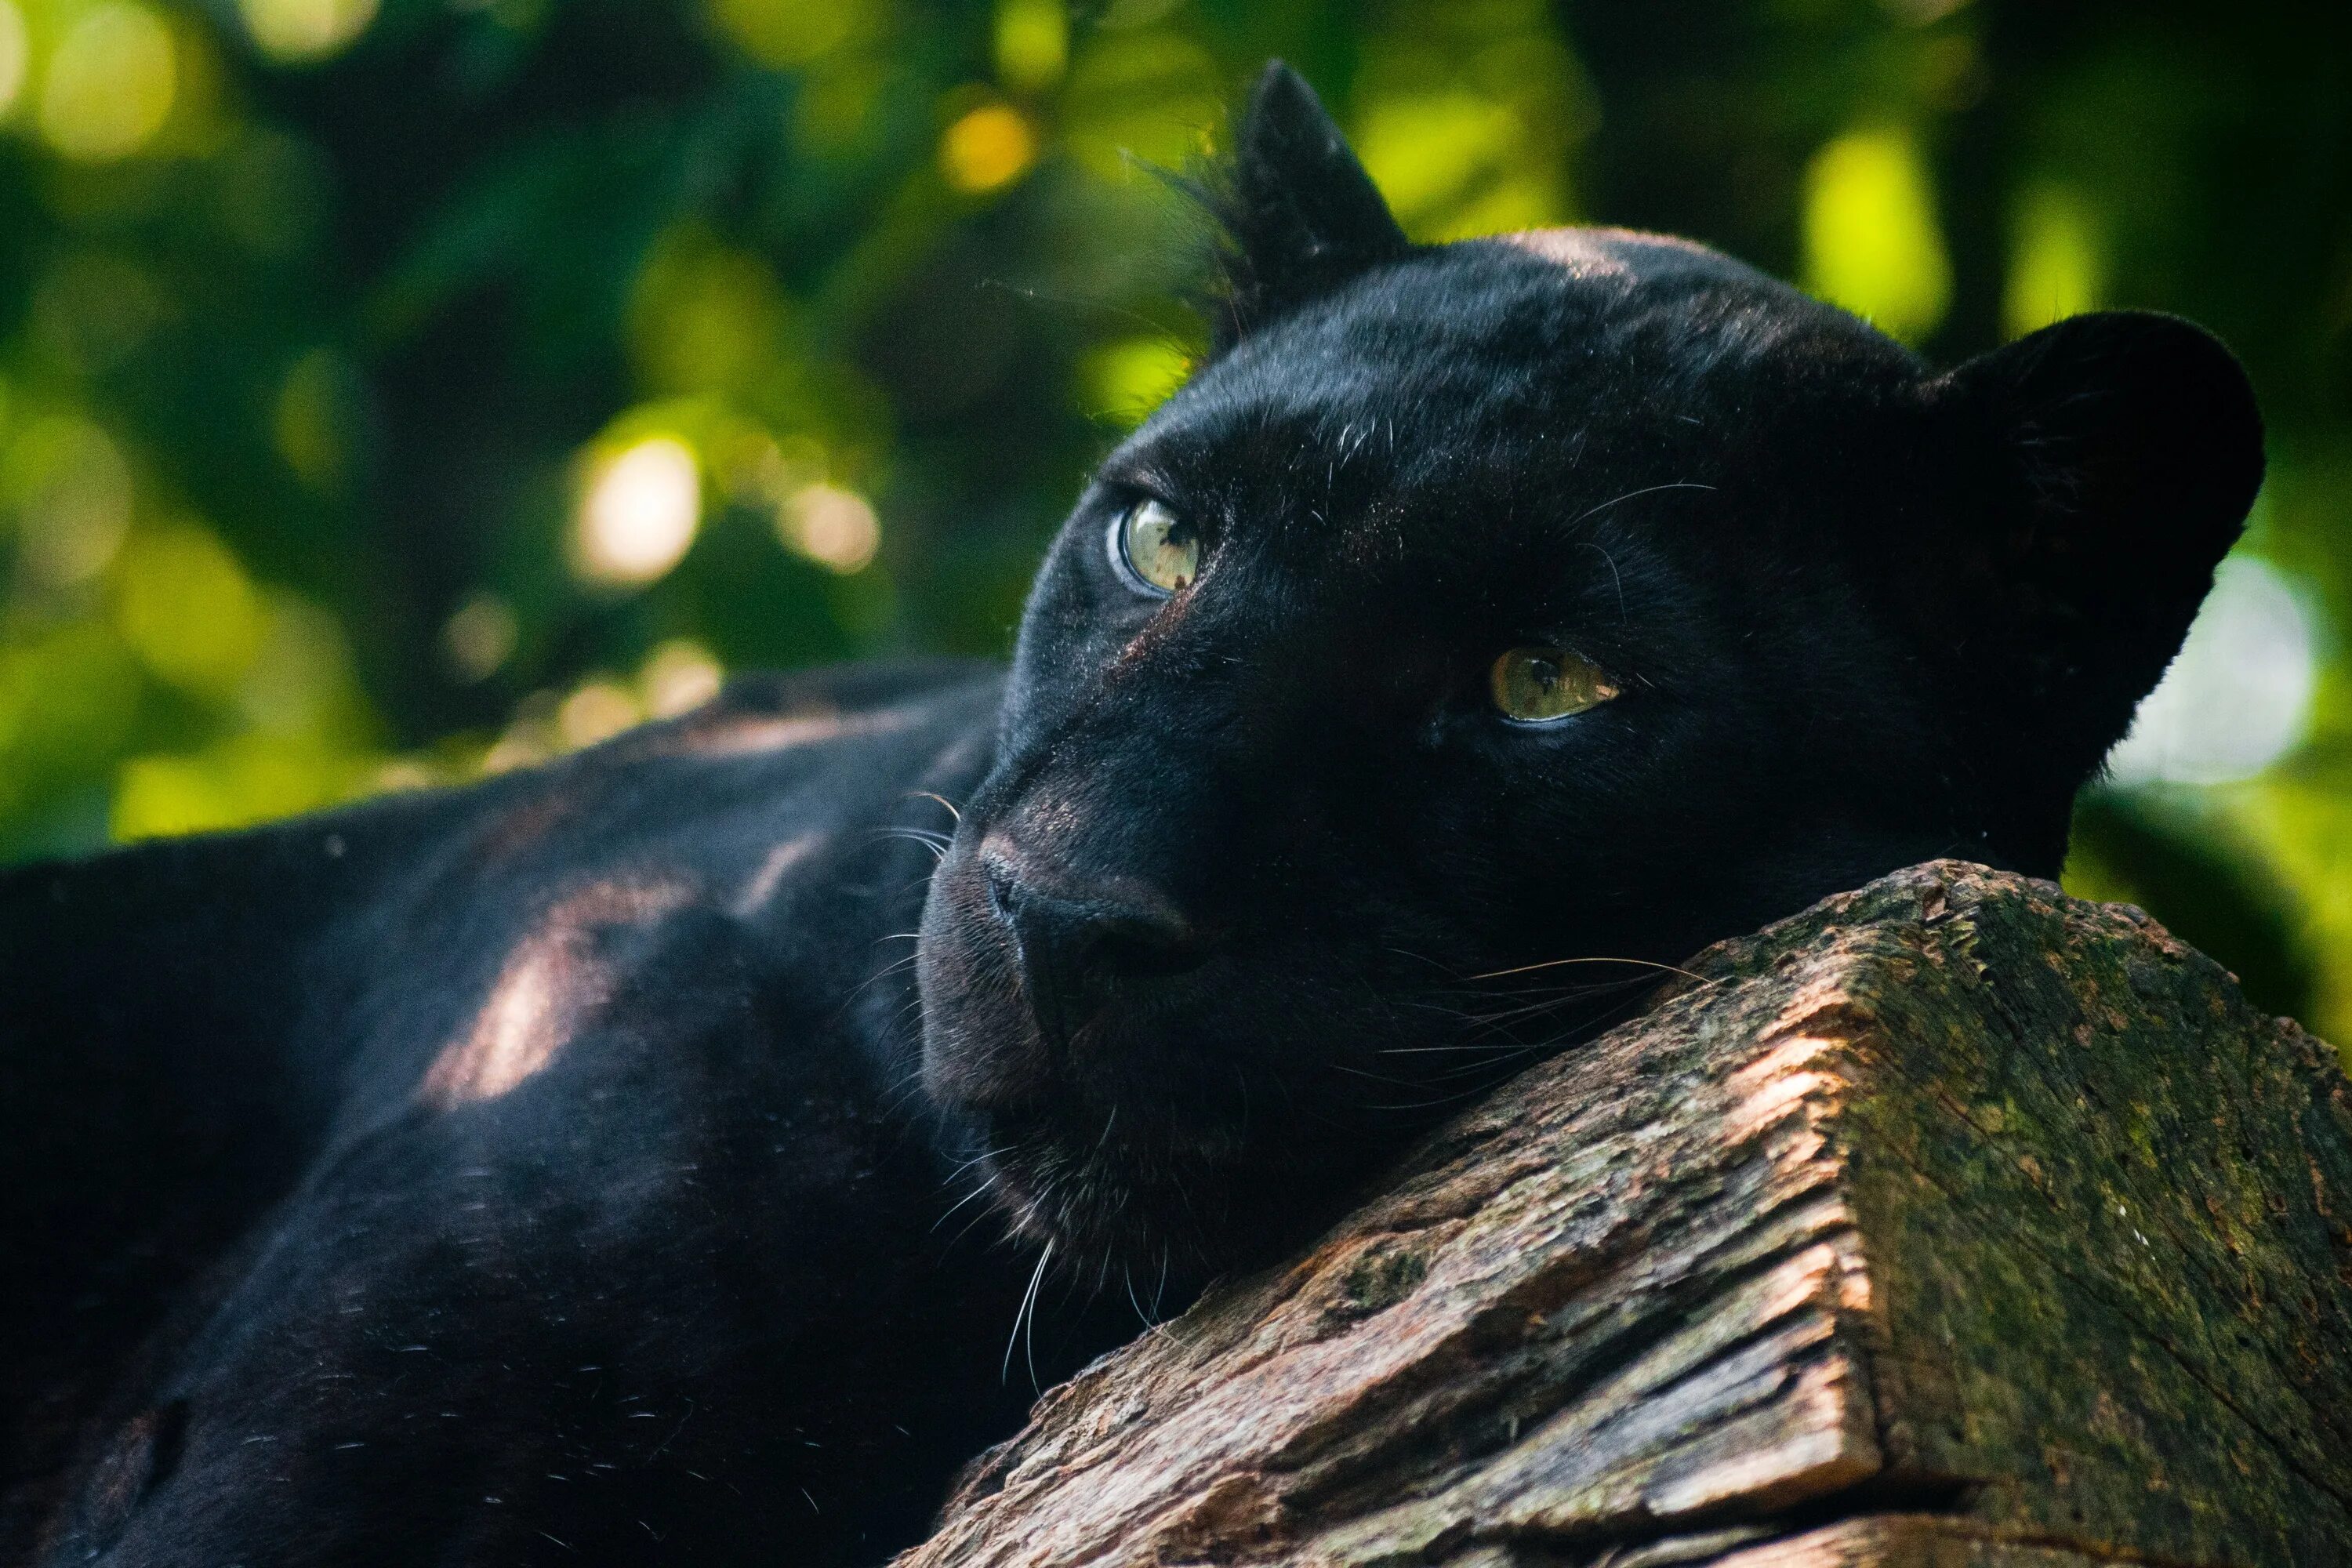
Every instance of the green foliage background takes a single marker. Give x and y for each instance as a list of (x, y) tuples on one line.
[(394, 389)]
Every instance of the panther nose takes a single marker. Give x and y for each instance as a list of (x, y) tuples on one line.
[(1078, 945)]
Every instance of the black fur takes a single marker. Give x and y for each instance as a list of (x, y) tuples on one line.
[(561, 1169)]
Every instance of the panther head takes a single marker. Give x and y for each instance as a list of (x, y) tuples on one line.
[(1485, 626)]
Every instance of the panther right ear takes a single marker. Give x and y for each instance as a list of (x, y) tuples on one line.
[(2104, 465), (1302, 215)]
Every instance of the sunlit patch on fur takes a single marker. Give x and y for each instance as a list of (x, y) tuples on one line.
[(742, 735), (773, 866), (1585, 252), (551, 979)]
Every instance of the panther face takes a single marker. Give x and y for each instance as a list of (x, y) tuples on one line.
[(1486, 627)]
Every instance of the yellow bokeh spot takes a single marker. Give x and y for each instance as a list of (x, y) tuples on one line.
[(1146, 96), (1125, 381), (678, 676), (188, 609), (787, 32), (480, 634), (1871, 242), (244, 779), (833, 527), (110, 82), (71, 492), (1033, 44), (309, 424), (1455, 162), (639, 512), (15, 54), (301, 681), (989, 146), (704, 315), (2055, 269), (597, 712), (296, 30), (68, 699)]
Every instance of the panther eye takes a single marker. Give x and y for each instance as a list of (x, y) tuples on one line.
[(1155, 551), (1540, 684)]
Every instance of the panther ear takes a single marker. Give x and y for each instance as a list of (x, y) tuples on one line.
[(1301, 214), (2115, 456)]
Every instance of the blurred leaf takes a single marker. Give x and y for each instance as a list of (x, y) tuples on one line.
[(2206, 890)]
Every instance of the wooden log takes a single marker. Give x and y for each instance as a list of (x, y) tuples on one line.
[(1953, 1222)]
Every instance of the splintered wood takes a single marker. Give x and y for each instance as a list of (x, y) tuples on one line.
[(1952, 1223)]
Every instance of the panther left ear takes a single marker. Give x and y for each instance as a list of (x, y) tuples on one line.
[(1302, 215), (2110, 462)]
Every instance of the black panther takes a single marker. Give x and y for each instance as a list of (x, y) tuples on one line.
[(564, 1168)]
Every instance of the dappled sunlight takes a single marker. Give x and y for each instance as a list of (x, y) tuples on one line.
[(552, 981), (761, 887), (746, 734), (342, 453), (1571, 249)]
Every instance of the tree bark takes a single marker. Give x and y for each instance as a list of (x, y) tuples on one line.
[(1953, 1222)]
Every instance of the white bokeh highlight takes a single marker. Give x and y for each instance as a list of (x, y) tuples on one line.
[(2238, 696)]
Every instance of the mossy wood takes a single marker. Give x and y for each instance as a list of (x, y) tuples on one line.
[(1953, 1222)]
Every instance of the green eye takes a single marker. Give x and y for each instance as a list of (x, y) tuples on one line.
[(1154, 549), (1538, 685)]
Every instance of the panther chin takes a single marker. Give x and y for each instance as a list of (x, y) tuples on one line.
[(1165, 1216), (1134, 1140)]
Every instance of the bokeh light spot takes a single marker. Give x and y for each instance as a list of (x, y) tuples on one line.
[(2238, 696), (1033, 44), (1123, 381), (299, 30), (1455, 162), (480, 635), (312, 423), (1871, 243), (703, 315), (188, 608), (639, 512), (787, 32), (833, 527), (597, 712), (988, 147), (15, 54), (2055, 266), (678, 675), (1148, 97), (71, 492), (110, 82), (242, 779)]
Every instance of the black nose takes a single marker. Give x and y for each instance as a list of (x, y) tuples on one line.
[(1079, 944)]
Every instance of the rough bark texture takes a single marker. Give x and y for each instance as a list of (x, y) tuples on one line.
[(1951, 1223)]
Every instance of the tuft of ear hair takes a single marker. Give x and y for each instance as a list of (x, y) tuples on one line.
[(2122, 450), (1300, 214)]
